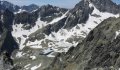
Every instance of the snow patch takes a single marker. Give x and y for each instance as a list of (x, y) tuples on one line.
[(73, 56), (90, 5), (1, 18), (48, 50), (50, 55), (0, 35), (117, 33), (33, 57), (19, 54), (59, 18), (36, 67), (36, 44), (27, 66), (20, 11)]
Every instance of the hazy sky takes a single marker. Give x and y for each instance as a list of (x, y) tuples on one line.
[(117, 1), (60, 3)]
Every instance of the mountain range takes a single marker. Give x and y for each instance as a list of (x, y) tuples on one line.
[(15, 8), (53, 38)]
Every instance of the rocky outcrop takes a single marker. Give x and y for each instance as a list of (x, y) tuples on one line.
[(98, 51)]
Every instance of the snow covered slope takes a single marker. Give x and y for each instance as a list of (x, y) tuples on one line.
[(60, 41), (22, 34)]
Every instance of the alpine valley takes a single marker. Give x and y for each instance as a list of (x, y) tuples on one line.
[(86, 37)]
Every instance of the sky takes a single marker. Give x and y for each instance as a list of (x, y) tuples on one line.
[(60, 3), (117, 1)]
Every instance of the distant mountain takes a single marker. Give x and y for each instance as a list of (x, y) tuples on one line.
[(15, 8), (30, 8)]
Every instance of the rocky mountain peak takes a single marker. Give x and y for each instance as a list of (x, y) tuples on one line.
[(48, 12), (79, 14), (106, 6), (46, 6), (30, 8)]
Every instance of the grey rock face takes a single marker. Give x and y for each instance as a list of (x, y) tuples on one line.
[(8, 18), (7, 41)]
